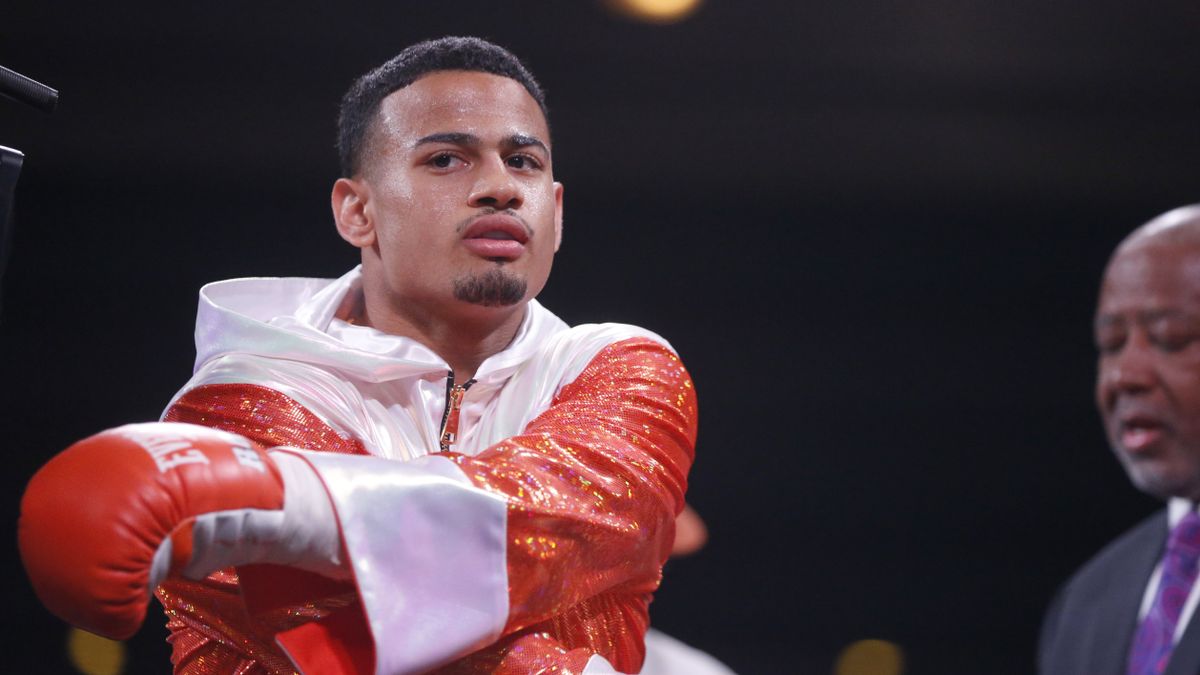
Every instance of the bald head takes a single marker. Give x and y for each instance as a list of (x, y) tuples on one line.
[(1178, 227)]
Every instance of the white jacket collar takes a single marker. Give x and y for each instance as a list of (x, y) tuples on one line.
[(293, 318)]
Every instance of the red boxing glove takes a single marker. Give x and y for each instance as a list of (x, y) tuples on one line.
[(104, 522)]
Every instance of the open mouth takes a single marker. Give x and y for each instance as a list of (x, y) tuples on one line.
[(1140, 433)]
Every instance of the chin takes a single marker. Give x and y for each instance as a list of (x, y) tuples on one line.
[(1166, 482), (495, 287)]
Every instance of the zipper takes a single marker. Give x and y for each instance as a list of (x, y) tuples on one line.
[(454, 397)]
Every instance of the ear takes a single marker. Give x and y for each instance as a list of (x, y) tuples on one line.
[(349, 201), (558, 215)]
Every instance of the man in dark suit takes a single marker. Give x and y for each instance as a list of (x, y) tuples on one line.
[(1129, 610)]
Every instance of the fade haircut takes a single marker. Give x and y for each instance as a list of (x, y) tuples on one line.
[(360, 105)]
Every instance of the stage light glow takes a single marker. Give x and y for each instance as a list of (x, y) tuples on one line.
[(870, 657), (655, 11), (94, 655)]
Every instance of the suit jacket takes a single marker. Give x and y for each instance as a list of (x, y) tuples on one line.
[(1090, 625)]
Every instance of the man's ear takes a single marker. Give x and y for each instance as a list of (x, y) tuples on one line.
[(558, 215), (349, 201)]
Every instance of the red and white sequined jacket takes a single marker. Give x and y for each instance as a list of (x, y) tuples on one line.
[(514, 524)]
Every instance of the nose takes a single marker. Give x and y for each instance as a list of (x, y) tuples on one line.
[(495, 187)]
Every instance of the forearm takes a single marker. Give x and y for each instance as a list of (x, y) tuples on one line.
[(577, 511)]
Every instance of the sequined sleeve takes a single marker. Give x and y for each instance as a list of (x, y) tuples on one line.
[(593, 485), (212, 633)]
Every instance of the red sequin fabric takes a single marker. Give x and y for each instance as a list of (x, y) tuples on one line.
[(211, 631), (593, 486)]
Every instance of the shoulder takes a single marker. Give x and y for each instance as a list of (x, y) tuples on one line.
[(279, 383), (590, 338), (576, 349), (551, 336), (1133, 549), (1094, 612)]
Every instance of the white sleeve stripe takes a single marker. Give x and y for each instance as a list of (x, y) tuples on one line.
[(428, 552)]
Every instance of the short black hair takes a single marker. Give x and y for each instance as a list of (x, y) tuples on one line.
[(361, 103)]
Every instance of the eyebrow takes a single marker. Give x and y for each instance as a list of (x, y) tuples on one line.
[(524, 141), (471, 140)]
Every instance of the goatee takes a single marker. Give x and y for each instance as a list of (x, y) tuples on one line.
[(494, 288)]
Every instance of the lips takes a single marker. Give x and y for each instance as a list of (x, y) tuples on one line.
[(1140, 432), (496, 236)]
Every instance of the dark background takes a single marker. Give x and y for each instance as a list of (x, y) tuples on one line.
[(874, 230)]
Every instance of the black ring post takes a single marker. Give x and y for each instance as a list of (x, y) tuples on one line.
[(10, 169), (25, 90)]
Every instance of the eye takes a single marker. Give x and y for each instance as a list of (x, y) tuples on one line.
[(444, 160), (1109, 344), (1172, 336), (1109, 339), (523, 162)]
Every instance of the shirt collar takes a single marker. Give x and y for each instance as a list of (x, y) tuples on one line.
[(1177, 508)]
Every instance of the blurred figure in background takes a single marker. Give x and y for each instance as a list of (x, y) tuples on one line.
[(1130, 610)]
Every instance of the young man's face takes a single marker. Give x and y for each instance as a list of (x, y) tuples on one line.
[(459, 195)]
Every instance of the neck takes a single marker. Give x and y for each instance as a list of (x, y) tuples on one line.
[(462, 334)]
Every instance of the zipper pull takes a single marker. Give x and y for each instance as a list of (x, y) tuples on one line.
[(454, 397)]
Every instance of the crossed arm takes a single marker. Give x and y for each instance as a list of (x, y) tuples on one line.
[(588, 493)]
